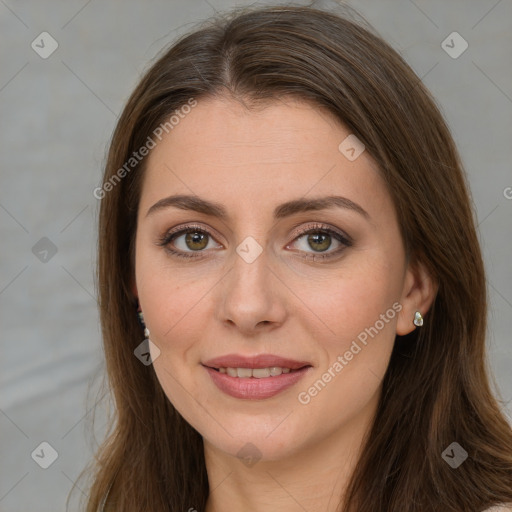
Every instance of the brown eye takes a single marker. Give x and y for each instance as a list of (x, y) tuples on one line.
[(319, 241), (196, 240), (189, 242)]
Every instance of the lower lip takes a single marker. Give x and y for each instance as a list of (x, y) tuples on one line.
[(252, 388)]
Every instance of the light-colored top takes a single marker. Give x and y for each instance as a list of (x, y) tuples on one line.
[(500, 508)]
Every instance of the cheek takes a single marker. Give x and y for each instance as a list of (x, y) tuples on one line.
[(360, 350), (175, 315), (359, 310), (176, 309), (349, 303), (355, 359), (172, 298)]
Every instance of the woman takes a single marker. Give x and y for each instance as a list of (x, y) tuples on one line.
[(292, 293)]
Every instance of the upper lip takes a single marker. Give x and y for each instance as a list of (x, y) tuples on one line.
[(256, 361)]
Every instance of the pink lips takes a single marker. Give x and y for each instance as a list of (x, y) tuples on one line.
[(253, 388)]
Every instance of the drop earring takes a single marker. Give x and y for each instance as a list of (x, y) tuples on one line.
[(140, 314), (147, 351), (418, 319), (141, 320)]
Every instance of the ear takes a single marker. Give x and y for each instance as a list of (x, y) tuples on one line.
[(418, 294)]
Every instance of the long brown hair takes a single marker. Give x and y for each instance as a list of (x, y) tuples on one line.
[(436, 390)]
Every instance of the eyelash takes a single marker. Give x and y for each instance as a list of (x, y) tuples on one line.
[(168, 237)]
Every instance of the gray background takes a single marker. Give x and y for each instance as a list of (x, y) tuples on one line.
[(57, 116)]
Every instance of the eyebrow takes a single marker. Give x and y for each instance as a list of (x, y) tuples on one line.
[(197, 204)]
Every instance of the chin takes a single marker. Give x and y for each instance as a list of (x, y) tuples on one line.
[(251, 449), (264, 440)]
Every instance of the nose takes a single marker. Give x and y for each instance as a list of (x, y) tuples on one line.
[(251, 298)]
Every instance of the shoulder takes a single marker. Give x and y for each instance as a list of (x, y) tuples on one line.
[(500, 508)]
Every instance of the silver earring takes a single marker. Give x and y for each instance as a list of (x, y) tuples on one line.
[(418, 319), (147, 351), (141, 320)]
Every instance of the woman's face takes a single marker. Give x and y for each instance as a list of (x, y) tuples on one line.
[(275, 314)]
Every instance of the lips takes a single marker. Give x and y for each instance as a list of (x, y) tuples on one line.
[(259, 361), (256, 377)]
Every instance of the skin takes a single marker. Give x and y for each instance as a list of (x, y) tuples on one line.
[(250, 161)]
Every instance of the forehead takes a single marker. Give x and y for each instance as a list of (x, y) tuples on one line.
[(279, 129), (286, 149)]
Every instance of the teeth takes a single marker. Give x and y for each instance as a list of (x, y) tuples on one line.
[(244, 372), (257, 373)]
